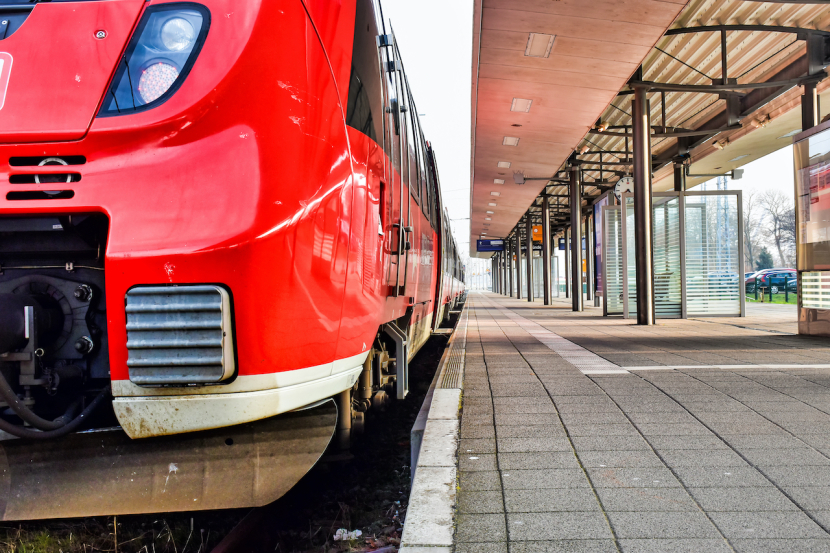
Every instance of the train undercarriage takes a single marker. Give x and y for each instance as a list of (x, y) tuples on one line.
[(62, 451)]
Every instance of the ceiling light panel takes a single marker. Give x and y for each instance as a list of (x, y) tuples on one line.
[(491, 204), (504, 165), (521, 104), (539, 45), (510, 141), (789, 134), (496, 193)]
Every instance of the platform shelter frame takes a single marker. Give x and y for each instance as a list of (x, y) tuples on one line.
[(708, 288)]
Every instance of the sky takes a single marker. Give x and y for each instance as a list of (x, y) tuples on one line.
[(435, 38), (772, 172)]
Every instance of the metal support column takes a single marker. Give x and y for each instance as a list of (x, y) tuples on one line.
[(546, 243), (497, 273), (643, 242), (518, 262), (567, 236), (493, 280), (575, 202), (589, 257), (679, 177), (809, 107), (508, 267), (502, 279), (529, 246)]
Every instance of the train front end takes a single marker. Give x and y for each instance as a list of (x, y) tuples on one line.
[(172, 262)]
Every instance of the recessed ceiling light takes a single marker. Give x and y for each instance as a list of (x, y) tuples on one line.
[(739, 157), (510, 141), (521, 104), (488, 219), (490, 212), (539, 45), (491, 204), (483, 233), (789, 134), (496, 193), (504, 164), (498, 181)]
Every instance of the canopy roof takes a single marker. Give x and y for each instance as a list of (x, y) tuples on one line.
[(598, 46)]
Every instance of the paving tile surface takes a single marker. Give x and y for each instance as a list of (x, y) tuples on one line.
[(588, 434)]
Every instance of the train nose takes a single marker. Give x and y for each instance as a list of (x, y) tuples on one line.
[(56, 60)]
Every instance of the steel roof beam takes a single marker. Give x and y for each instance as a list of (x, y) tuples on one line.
[(801, 31)]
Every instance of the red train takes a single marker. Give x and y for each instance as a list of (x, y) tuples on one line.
[(213, 213)]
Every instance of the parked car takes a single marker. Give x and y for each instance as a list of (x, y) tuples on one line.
[(774, 278)]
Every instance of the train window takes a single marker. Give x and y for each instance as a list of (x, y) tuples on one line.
[(422, 170), (359, 112), (410, 141), (434, 185), (365, 103), (393, 131)]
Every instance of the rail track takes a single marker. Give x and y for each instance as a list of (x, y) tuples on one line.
[(365, 489)]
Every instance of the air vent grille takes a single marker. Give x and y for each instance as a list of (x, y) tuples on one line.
[(179, 335)]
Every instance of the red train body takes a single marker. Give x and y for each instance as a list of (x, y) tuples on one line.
[(232, 204)]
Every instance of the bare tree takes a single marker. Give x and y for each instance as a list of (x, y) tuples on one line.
[(780, 213), (753, 222)]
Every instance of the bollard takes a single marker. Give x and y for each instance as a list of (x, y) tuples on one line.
[(786, 291), (756, 288)]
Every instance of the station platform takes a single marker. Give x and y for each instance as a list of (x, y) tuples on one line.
[(580, 433)]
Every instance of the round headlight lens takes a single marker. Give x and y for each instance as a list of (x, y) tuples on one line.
[(155, 80), (177, 34)]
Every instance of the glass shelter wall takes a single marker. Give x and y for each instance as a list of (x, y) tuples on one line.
[(713, 255), (612, 267), (811, 153), (698, 264), (538, 276)]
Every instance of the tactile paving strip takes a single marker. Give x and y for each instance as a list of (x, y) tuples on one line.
[(586, 361), (453, 374)]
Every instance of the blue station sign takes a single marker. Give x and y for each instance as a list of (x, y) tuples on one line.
[(490, 245)]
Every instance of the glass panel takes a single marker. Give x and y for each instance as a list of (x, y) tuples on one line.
[(667, 276), (815, 290), (712, 255), (812, 192), (597, 253), (538, 278), (631, 255), (612, 242), (554, 272)]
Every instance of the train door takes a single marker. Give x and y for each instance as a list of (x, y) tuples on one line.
[(392, 186)]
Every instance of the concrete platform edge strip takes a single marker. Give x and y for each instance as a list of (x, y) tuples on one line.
[(727, 367), (430, 517)]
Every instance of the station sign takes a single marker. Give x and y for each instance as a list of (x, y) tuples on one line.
[(490, 245), (537, 233), (562, 243)]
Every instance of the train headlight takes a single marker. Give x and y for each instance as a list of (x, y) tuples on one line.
[(178, 34), (156, 79), (158, 58)]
